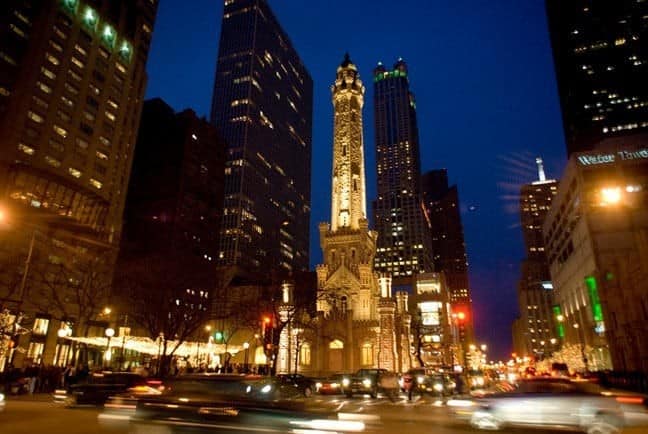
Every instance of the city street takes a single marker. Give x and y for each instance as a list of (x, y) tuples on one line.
[(27, 415)]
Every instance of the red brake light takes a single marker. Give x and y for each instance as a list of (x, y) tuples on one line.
[(630, 399)]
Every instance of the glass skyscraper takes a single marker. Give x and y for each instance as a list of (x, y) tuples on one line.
[(599, 50), (262, 105), (404, 243)]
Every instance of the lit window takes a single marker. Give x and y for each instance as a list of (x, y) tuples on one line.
[(42, 86), (56, 46), (77, 62), (26, 149), (53, 60), (120, 67), (104, 141), (7, 58), (80, 49), (60, 131), (17, 30), (101, 155), (74, 172), (52, 161), (367, 354), (35, 117), (96, 183), (113, 104), (47, 73), (110, 115), (40, 326), (67, 101)]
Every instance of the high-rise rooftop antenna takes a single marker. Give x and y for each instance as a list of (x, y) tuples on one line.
[(541, 173)]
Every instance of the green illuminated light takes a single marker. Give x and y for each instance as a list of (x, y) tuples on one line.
[(389, 74), (125, 51), (559, 326), (108, 36), (90, 18), (592, 289), (70, 5)]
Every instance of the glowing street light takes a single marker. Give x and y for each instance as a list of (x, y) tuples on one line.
[(610, 196), (110, 332)]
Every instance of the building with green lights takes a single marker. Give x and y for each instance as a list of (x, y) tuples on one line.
[(72, 80), (404, 242), (596, 235)]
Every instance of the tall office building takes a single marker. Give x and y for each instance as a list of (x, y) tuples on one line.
[(175, 195), (404, 247), (72, 78), (262, 105), (601, 61), (442, 205), (535, 290), (597, 249)]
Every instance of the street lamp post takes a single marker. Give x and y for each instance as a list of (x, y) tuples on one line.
[(110, 332), (246, 346)]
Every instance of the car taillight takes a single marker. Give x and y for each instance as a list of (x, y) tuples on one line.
[(630, 399)]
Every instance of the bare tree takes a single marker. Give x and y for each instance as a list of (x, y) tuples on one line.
[(168, 296)]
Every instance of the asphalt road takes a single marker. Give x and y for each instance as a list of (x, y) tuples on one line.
[(35, 416)]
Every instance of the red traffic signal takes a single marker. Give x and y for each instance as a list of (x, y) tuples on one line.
[(461, 316)]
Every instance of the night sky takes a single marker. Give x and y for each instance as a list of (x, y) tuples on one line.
[(487, 103)]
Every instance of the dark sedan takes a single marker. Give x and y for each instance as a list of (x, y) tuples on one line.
[(230, 403), (102, 385), (556, 403), (305, 385)]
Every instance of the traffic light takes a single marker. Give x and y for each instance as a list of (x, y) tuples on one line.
[(218, 336)]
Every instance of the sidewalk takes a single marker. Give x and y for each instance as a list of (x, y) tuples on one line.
[(36, 397)]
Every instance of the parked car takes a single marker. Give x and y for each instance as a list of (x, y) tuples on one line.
[(556, 403), (233, 403), (364, 381), (101, 385), (330, 386), (305, 385)]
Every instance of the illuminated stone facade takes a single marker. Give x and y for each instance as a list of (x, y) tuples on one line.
[(359, 323)]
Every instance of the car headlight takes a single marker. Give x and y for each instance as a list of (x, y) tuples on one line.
[(420, 379), (267, 388), (366, 382), (334, 385), (318, 385), (346, 382), (2, 397), (438, 387)]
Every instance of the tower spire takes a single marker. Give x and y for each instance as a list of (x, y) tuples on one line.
[(348, 201), (541, 173)]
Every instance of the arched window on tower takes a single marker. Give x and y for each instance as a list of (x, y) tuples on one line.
[(343, 303)]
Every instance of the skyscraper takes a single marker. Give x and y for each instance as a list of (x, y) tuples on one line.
[(535, 290), (176, 191), (601, 67), (404, 247), (72, 78), (442, 205), (262, 105)]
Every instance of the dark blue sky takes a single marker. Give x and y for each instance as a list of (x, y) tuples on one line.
[(486, 97)]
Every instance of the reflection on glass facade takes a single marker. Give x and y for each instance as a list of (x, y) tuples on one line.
[(262, 105)]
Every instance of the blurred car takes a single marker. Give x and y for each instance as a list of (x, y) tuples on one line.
[(101, 385), (2, 401), (306, 385), (330, 386), (364, 381), (233, 403), (556, 403), (425, 380)]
